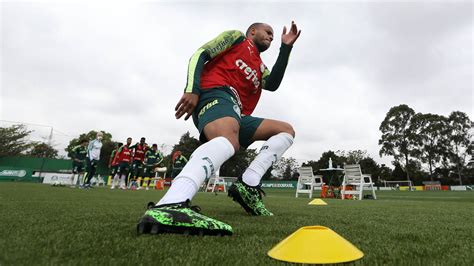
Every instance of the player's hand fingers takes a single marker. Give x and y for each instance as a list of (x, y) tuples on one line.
[(179, 104), (294, 28), (284, 30), (179, 113)]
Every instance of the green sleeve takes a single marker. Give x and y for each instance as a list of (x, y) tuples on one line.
[(271, 80), (75, 152), (205, 53), (160, 157)]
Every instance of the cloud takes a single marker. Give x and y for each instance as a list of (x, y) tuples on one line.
[(122, 67)]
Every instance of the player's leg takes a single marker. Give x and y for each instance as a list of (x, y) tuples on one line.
[(205, 160), (91, 172), (125, 174), (218, 124), (116, 178), (73, 175), (279, 137)]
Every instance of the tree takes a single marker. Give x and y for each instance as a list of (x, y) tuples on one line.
[(12, 140), (107, 145), (237, 164), (186, 145), (286, 167), (43, 150), (353, 157), (369, 166), (430, 139), (459, 126), (397, 139)]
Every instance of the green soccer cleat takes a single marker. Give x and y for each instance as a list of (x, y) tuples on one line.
[(250, 198), (180, 218)]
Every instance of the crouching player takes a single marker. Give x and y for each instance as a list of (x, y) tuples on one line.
[(153, 158), (226, 77)]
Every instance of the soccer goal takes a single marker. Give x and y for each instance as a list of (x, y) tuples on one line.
[(395, 185)]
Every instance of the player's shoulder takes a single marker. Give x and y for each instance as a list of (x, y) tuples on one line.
[(236, 33), (234, 36)]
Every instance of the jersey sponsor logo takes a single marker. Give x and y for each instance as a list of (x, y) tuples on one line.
[(250, 74)]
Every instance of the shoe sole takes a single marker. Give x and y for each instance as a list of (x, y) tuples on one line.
[(235, 195), (148, 225)]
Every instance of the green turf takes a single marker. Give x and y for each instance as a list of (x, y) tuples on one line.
[(40, 225)]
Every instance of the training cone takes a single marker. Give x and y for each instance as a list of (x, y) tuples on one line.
[(315, 245), (317, 202)]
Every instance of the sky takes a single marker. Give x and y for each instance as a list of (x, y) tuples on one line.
[(121, 66)]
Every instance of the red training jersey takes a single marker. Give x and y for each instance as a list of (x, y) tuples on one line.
[(140, 151), (241, 68), (124, 154)]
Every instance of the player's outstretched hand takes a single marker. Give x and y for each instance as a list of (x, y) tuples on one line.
[(186, 105), (292, 35)]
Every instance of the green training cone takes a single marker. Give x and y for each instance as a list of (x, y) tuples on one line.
[(315, 245)]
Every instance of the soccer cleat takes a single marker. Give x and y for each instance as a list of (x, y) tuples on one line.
[(180, 218), (250, 198)]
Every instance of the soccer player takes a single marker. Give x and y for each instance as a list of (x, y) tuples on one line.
[(113, 161), (179, 161), (225, 79), (93, 156), (138, 157), (153, 157), (79, 154), (124, 157)]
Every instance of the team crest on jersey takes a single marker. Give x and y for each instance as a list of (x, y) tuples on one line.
[(262, 67)]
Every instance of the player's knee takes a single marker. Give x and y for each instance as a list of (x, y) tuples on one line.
[(235, 143), (287, 128)]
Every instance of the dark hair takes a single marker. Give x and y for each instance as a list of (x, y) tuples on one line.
[(143, 138), (129, 138), (254, 25), (154, 145)]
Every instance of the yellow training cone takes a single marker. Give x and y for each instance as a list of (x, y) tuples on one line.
[(315, 245), (317, 202)]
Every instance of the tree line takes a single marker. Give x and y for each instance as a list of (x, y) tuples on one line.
[(440, 144), (424, 147)]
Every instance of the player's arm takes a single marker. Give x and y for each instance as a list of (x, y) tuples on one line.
[(272, 80), (112, 155), (160, 158), (211, 49), (74, 153), (145, 159)]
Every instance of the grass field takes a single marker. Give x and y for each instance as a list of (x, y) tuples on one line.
[(40, 225)]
